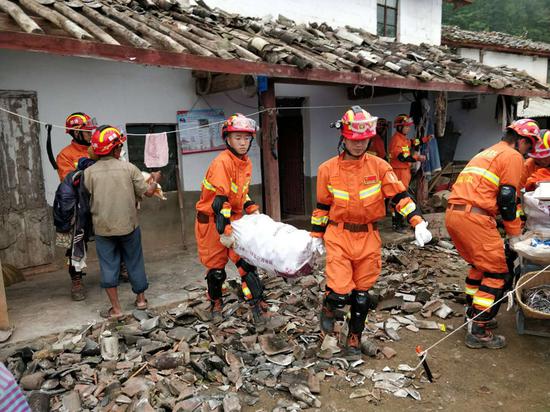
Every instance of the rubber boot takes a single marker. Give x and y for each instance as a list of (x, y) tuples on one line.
[(353, 345), (77, 289), (481, 337)]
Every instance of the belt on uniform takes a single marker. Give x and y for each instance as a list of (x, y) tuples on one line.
[(468, 209), (355, 227), (202, 217)]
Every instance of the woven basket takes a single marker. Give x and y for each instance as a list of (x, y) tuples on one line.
[(528, 281)]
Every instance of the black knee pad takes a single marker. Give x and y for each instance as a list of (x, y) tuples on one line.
[(254, 285), (214, 280), (244, 265), (336, 300), (360, 301)]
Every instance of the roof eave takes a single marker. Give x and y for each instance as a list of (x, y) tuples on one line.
[(284, 73), (493, 47)]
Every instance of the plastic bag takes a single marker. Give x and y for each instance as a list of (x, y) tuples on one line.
[(532, 247), (537, 211), (273, 246)]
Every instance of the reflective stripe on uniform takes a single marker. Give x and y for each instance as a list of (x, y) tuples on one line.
[(470, 291), (370, 191), (321, 221), (338, 194), (207, 185), (490, 176), (407, 210), (234, 187), (484, 302), (226, 212)]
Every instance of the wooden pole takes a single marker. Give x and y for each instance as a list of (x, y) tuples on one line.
[(181, 199), (4, 320), (24, 21), (270, 162)]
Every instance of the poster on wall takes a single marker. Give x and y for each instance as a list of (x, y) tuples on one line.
[(200, 130)]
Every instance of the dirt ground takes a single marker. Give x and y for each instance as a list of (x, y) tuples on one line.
[(511, 379)]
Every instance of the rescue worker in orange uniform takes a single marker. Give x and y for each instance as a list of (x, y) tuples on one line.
[(377, 147), (402, 156), (537, 160), (489, 185), (67, 159), (351, 189), (224, 198)]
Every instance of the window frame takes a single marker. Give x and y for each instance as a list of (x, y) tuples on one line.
[(385, 23)]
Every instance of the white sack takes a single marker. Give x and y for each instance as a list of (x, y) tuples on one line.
[(537, 211), (273, 246)]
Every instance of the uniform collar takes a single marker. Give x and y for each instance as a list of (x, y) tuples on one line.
[(235, 158)]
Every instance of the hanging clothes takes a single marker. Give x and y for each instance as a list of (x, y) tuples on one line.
[(156, 150)]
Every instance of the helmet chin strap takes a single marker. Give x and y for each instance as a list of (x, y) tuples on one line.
[(342, 146)]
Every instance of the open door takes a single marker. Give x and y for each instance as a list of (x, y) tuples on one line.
[(291, 157)]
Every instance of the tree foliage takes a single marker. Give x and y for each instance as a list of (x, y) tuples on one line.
[(527, 18)]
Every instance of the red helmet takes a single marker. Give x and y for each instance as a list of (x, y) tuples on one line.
[(79, 121), (105, 139), (526, 128), (239, 123), (542, 151), (357, 124), (544, 136), (403, 120)]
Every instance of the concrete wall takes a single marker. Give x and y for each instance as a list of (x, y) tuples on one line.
[(533, 65), (116, 93), (478, 127), (418, 20)]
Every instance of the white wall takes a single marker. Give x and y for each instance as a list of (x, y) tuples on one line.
[(355, 13), (478, 127), (115, 93), (533, 65), (419, 21), (322, 140)]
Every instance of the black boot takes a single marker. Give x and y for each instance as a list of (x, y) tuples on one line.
[(214, 281), (481, 337), (359, 308)]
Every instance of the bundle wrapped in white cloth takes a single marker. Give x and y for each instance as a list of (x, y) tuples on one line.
[(276, 247)]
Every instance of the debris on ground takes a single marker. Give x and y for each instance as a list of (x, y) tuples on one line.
[(180, 360)]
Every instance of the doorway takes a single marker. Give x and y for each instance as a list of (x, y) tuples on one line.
[(291, 156)]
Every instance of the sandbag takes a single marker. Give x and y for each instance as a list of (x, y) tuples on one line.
[(535, 247), (276, 247)]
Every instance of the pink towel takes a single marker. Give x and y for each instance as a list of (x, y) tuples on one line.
[(156, 150)]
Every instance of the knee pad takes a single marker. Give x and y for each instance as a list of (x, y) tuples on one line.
[(253, 288), (214, 280), (245, 266), (336, 300), (360, 301)]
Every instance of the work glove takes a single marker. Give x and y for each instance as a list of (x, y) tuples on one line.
[(227, 240), (318, 246), (422, 234)]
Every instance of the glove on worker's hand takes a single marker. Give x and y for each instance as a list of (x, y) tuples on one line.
[(318, 246), (227, 240), (422, 234)]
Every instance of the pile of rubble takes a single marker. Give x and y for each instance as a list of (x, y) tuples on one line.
[(179, 360)]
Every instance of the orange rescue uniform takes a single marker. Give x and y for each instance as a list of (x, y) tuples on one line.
[(350, 199), (529, 167), (400, 144), (67, 159), (230, 176), (470, 219), (540, 175), (377, 147)]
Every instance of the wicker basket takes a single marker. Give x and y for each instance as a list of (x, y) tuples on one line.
[(528, 281)]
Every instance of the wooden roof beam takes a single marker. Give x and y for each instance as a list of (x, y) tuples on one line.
[(24, 21)]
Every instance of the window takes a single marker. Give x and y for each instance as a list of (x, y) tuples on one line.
[(136, 147), (386, 18)]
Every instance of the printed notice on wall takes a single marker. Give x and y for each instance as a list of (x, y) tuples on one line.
[(200, 130)]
